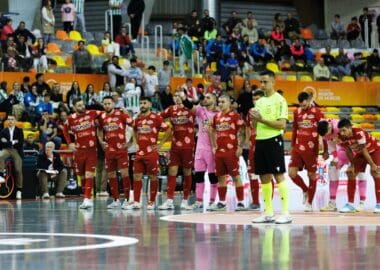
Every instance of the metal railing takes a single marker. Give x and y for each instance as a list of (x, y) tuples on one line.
[(158, 38), (108, 16), (145, 43)]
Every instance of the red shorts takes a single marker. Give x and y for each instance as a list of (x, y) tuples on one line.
[(182, 157), (301, 161), (147, 164), (360, 162), (116, 160), (85, 161), (227, 164)]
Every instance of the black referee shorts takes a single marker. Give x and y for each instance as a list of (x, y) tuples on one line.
[(269, 156)]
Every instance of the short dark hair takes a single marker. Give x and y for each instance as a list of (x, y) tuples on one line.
[(152, 68), (268, 72), (322, 127), (133, 60), (166, 63), (344, 122), (107, 97), (76, 100), (258, 93), (38, 75), (143, 98), (80, 41), (303, 96), (337, 16)]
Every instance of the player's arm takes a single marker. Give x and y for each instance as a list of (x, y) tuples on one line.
[(325, 149), (212, 138), (66, 134), (349, 154), (368, 158), (295, 129), (247, 136), (187, 103), (100, 135)]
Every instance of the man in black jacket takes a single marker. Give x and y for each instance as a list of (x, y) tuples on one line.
[(21, 30), (11, 144), (135, 11), (50, 166)]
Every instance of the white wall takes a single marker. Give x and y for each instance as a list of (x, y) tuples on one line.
[(28, 11)]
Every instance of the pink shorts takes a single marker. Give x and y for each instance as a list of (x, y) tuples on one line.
[(204, 161), (342, 158)]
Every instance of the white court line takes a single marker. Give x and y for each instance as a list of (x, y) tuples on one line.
[(115, 241)]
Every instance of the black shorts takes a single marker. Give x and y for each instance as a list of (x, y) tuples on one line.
[(269, 156)]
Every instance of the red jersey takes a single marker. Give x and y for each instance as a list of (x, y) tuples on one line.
[(305, 133), (114, 126), (252, 137), (227, 126), (147, 128), (360, 137), (84, 128), (182, 120)]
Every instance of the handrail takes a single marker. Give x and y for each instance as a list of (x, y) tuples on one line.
[(156, 33), (147, 53), (107, 13)]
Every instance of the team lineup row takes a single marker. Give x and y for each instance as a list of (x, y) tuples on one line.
[(221, 134)]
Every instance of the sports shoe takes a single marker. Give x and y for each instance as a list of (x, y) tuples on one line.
[(308, 207), (211, 206), (254, 207), (167, 205), (283, 219), (131, 206), (348, 208), (184, 204), (2, 180), (87, 203), (331, 207), (264, 219), (360, 207), (220, 207), (60, 195), (240, 207), (114, 205), (305, 198), (150, 206), (18, 195), (377, 209), (45, 196), (196, 205), (102, 194)]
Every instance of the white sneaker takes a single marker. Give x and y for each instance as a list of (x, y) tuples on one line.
[(360, 207), (196, 205), (132, 206), (308, 208), (331, 207), (45, 196), (150, 206), (103, 194), (114, 205), (2, 180), (167, 205), (87, 203), (211, 206), (283, 219), (305, 198), (184, 204), (18, 195), (264, 219), (377, 209), (60, 195)]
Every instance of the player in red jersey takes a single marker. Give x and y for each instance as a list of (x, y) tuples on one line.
[(305, 145), (362, 149), (113, 124), (182, 150), (227, 127), (146, 127), (83, 124)]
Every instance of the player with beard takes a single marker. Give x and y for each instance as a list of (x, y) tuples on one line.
[(114, 143)]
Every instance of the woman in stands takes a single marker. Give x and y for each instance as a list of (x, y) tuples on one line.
[(73, 94), (90, 98), (48, 21), (39, 53)]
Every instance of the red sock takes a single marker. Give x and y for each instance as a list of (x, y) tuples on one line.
[(153, 189), (239, 193), (172, 180), (89, 184), (222, 191), (255, 191), (137, 186), (187, 186), (311, 191), (127, 187), (114, 186), (377, 189), (351, 187), (299, 182)]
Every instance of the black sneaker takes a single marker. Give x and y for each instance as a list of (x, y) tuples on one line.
[(220, 207), (254, 207), (240, 207)]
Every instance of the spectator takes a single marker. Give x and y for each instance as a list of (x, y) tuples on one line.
[(363, 19), (232, 63), (40, 61), (251, 32), (118, 99), (232, 22), (24, 53), (48, 21), (358, 65), (343, 63), (135, 11), (192, 23), (79, 7), (132, 96), (353, 29), (292, 26), (74, 93), (10, 43), (156, 102), (373, 63), (90, 98), (31, 101), (56, 94), (244, 99), (25, 86), (250, 18), (31, 145), (245, 63), (116, 73), (68, 11), (6, 31), (42, 86), (283, 52), (185, 50), (166, 97), (214, 49), (11, 144), (4, 102), (231, 94), (298, 52), (45, 105), (62, 117), (337, 28), (12, 62), (125, 43), (329, 61), (22, 30), (164, 76), (115, 7), (134, 72), (190, 91), (278, 21), (50, 167), (18, 107), (207, 22), (104, 92), (109, 46), (48, 130), (277, 35), (150, 82), (321, 72), (211, 34), (82, 60), (259, 52)]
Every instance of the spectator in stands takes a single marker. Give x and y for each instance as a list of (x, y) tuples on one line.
[(68, 11), (292, 26), (82, 60), (31, 145), (250, 31), (134, 72), (56, 94), (245, 63), (74, 93), (278, 21), (190, 90), (277, 35), (48, 130), (11, 143), (116, 73), (283, 52), (48, 21), (22, 30), (24, 53), (150, 82), (366, 17), (215, 87), (343, 63), (11, 43), (358, 65), (250, 18), (211, 35), (90, 98), (214, 49), (185, 50), (166, 97), (207, 22), (6, 31), (193, 24), (298, 52), (62, 117), (18, 108), (231, 94), (44, 105), (115, 7), (135, 11), (353, 29), (40, 61), (109, 46), (118, 99), (320, 71), (79, 7), (11, 60), (50, 167), (232, 21), (25, 86), (337, 28), (329, 61), (42, 86), (232, 63), (104, 92), (132, 96), (156, 103), (259, 52), (124, 42), (3, 91), (244, 99), (373, 63), (31, 101), (164, 76)]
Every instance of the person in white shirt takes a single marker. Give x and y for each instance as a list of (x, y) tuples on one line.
[(151, 82), (116, 73)]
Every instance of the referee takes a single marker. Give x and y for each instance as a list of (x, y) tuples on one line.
[(269, 116)]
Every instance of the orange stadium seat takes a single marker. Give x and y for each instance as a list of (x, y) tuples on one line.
[(53, 48), (61, 35), (307, 34)]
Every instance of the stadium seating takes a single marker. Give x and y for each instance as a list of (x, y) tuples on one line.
[(53, 48), (61, 35), (348, 79), (76, 36)]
